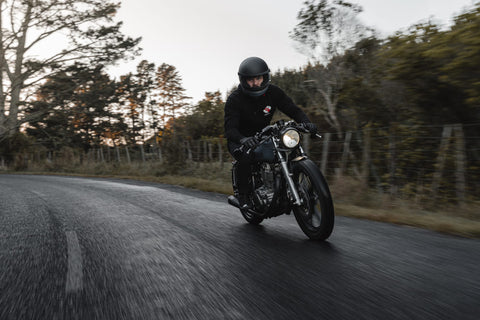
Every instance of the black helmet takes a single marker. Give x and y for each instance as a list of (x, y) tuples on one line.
[(253, 67)]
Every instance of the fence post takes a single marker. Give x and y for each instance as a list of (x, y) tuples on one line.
[(210, 151), (346, 151), (326, 141), (205, 151), (392, 151), (100, 152), (366, 156), (142, 153), (160, 155), (220, 153), (189, 150), (460, 162), (441, 159)]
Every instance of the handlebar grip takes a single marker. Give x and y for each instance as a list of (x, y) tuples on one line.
[(240, 150)]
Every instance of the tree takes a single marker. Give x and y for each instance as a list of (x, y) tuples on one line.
[(458, 50), (170, 92), (206, 118), (131, 101), (420, 61), (90, 34), (324, 32), (145, 78), (328, 29), (75, 107)]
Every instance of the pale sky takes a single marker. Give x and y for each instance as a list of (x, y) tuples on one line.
[(207, 40)]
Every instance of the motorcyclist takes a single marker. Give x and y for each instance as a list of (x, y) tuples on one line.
[(248, 110)]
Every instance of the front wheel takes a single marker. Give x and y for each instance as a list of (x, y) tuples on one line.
[(316, 214)]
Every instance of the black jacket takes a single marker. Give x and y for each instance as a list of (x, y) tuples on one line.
[(246, 115)]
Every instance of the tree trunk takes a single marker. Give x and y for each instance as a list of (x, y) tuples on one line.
[(142, 153), (128, 155), (17, 77), (117, 151)]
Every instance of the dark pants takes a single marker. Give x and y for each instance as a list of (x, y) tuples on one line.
[(263, 153)]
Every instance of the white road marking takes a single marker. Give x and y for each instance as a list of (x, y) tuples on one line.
[(75, 269)]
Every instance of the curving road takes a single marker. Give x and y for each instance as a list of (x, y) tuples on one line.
[(78, 248)]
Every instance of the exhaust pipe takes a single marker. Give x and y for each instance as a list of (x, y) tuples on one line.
[(232, 200)]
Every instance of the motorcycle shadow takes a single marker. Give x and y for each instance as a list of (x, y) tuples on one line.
[(269, 237), (266, 257)]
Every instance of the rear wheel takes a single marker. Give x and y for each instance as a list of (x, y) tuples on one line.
[(316, 214)]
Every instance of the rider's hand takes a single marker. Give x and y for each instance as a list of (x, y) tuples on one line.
[(249, 142), (311, 127)]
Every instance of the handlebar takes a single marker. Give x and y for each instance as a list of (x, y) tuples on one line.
[(266, 133)]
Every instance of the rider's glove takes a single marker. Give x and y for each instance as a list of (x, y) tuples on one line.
[(311, 127), (249, 142)]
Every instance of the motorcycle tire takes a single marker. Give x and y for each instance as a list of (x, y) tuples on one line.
[(316, 215)]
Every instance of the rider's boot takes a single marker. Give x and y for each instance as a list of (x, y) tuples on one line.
[(242, 184), (244, 201)]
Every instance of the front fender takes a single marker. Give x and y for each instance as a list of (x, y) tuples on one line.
[(299, 158)]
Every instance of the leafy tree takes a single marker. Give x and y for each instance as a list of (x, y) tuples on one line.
[(145, 78), (458, 50), (131, 100), (416, 61), (171, 94), (205, 119), (293, 83), (91, 37), (75, 105)]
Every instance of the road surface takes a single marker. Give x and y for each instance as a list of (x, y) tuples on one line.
[(84, 248)]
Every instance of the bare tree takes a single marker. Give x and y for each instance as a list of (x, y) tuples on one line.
[(323, 86), (85, 29), (324, 32)]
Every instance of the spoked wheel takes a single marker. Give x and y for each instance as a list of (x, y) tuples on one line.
[(316, 214)]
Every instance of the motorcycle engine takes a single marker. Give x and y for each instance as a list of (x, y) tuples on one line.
[(262, 197)]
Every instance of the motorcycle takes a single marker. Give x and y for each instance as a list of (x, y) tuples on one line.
[(289, 182)]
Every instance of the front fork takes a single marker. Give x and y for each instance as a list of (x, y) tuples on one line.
[(288, 176)]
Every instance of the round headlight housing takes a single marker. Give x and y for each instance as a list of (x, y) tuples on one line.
[(290, 138)]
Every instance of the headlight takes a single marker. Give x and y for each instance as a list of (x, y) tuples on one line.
[(291, 138)]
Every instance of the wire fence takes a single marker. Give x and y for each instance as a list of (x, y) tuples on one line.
[(436, 163)]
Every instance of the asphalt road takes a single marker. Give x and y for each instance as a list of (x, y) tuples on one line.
[(78, 248)]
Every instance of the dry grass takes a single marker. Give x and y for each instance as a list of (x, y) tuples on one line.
[(351, 198), (437, 221)]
